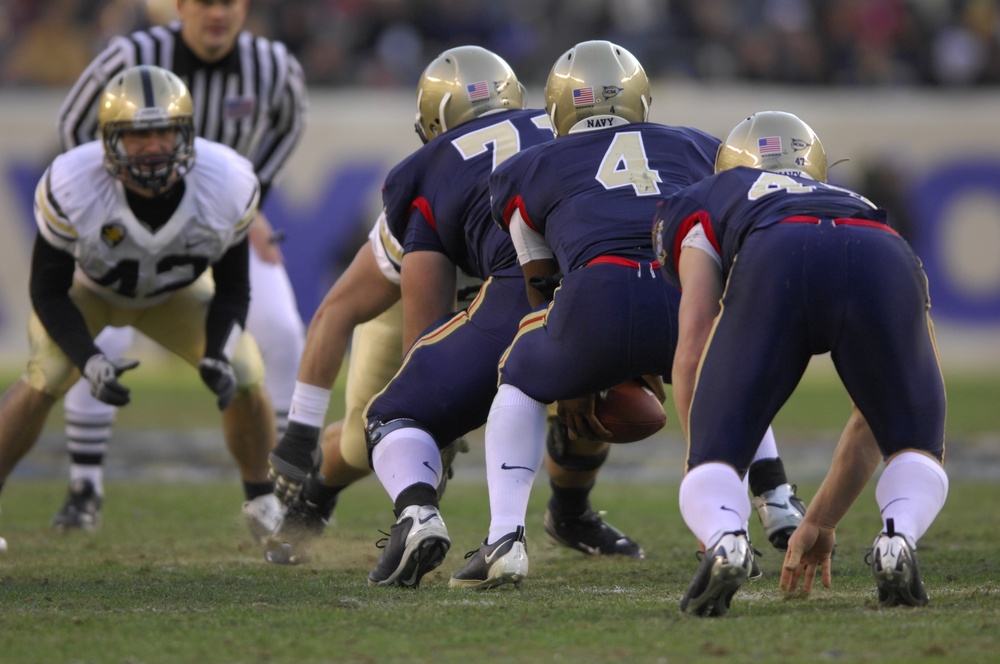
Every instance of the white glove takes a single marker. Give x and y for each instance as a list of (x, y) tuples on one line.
[(220, 378), (102, 374)]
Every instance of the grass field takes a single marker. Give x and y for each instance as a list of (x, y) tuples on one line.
[(172, 576), (819, 404)]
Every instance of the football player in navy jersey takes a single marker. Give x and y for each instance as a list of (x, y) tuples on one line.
[(128, 228), (581, 206), (819, 271), (436, 220)]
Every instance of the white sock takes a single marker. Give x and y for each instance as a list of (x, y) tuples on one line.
[(713, 501), (768, 448), (274, 322), (405, 457), (515, 444), (746, 488), (911, 492), (87, 436), (93, 473)]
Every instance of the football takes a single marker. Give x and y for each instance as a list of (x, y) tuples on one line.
[(630, 411)]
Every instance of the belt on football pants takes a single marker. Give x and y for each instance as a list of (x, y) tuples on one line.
[(618, 260), (839, 221)]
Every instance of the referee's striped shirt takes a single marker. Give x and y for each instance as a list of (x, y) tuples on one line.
[(253, 100)]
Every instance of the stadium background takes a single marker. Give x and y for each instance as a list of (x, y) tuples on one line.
[(906, 90)]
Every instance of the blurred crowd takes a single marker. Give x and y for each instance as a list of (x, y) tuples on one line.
[(385, 43)]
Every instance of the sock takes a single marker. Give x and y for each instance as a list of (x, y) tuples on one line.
[(911, 492), (766, 475), (405, 457), (768, 447), (570, 501), (515, 445), (418, 494), (88, 420), (253, 490), (87, 437), (713, 502)]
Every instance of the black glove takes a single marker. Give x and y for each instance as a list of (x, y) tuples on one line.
[(102, 374), (220, 378), (297, 454), (546, 285)]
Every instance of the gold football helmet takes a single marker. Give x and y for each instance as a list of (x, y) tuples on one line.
[(461, 84), (596, 78), (774, 141), (146, 98)]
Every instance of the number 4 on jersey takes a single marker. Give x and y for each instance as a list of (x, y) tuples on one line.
[(625, 165)]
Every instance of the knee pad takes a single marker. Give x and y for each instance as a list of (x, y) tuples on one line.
[(378, 430), (247, 363), (559, 447)]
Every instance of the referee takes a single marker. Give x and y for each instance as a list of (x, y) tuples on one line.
[(249, 93)]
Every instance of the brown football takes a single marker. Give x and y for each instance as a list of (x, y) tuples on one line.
[(630, 411)]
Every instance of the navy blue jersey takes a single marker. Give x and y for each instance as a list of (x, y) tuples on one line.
[(595, 193), (819, 271), (733, 203), (442, 189), (449, 376)]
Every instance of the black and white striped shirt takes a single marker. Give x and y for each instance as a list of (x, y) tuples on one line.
[(253, 100)]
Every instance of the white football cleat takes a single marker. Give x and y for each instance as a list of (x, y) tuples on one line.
[(263, 515), (724, 568), (780, 512), (894, 565), (492, 565), (417, 543)]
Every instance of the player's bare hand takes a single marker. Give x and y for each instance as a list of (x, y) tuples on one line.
[(579, 416), (296, 455), (655, 384), (220, 378), (809, 549), (102, 375)]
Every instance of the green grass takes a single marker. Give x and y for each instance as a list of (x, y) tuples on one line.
[(172, 577), (820, 403)]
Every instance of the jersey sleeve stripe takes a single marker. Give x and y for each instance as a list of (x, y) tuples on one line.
[(393, 249), (55, 219), (249, 212)]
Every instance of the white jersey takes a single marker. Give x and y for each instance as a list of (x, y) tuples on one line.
[(81, 208)]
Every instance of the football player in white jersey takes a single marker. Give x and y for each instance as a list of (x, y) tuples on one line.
[(249, 93), (128, 229)]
